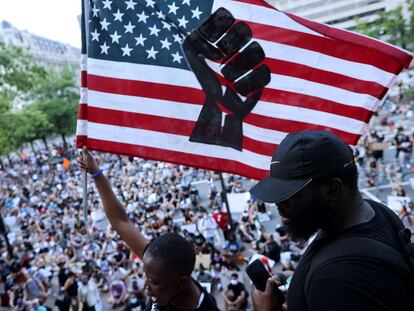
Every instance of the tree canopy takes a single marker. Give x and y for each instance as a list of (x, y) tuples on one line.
[(392, 26), (49, 97)]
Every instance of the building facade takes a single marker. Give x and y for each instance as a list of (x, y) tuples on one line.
[(338, 13), (43, 50)]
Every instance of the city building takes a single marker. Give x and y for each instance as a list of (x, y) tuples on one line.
[(43, 50), (338, 13)]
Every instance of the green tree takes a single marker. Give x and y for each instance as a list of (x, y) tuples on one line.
[(30, 125), (392, 26), (6, 137), (57, 96), (61, 115), (19, 73), (53, 92)]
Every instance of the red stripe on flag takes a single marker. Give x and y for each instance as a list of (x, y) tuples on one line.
[(400, 56), (146, 89), (256, 2), (290, 126), (315, 103), (203, 162), (82, 111), (286, 68), (195, 96), (81, 140), (83, 78), (164, 125), (327, 46)]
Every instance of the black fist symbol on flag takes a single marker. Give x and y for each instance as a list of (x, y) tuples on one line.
[(220, 39)]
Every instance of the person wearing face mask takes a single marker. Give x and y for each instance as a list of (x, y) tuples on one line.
[(168, 259), (235, 294)]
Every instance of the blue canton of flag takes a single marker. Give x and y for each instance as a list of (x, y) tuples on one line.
[(144, 31)]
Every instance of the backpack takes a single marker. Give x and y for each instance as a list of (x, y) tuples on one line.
[(357, 246)]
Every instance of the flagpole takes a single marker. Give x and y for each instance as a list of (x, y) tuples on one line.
[(85, 196), (225, 200)]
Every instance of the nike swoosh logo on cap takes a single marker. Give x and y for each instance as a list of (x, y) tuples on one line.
[(274, 162)]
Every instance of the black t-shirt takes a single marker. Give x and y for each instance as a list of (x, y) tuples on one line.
[(236, 289), (352, 284), (208, 304), (63, 275), (63, 303)]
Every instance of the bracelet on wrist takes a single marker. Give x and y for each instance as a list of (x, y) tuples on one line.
[(94, 175)]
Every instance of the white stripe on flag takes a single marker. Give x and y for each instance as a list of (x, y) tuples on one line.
[(174, 143), (190, 112), (175, 110), (310, 88), (82, 128), (326, 62), (268, 16), (154, 74), (309, 116)]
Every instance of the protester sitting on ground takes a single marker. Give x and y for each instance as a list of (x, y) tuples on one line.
[(118, 293), (235, 295), (89, 298), (168, 259), (202, 275)]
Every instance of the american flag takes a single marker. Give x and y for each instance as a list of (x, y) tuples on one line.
[(140, 97)]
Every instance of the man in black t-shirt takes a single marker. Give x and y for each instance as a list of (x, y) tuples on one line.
[(235, 295), (314, 183)]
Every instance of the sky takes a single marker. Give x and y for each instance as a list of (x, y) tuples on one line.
[(52, 19)]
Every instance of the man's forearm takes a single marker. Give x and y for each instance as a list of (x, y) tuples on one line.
[(119, 218), (112, 207)]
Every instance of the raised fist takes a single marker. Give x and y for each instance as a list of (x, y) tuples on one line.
[(221, 40)]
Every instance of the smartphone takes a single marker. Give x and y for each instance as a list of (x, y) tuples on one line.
[(259, 275)]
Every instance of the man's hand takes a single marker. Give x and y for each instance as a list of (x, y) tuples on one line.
[(220, 39), (87, 162), (266, 301)]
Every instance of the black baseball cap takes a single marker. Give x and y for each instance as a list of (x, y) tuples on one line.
[(300, 158)]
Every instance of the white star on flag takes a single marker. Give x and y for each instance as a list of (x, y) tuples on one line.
[(165, 44), (154, 30), (196, 13), (129, 27), (130, 4), (173, 8), (182, 22), (165, 25), (118, 16), (95, 35), (140, 40), (150, 3), (127, 50), (104, 24), (142, 17), (160, 15), (177, 57), (104, 48), (151, 53), (186, 2), (177, 38), (115, 37), (95, 11), (107, 4)]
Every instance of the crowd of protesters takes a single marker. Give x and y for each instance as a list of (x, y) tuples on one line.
[(57, 260)]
